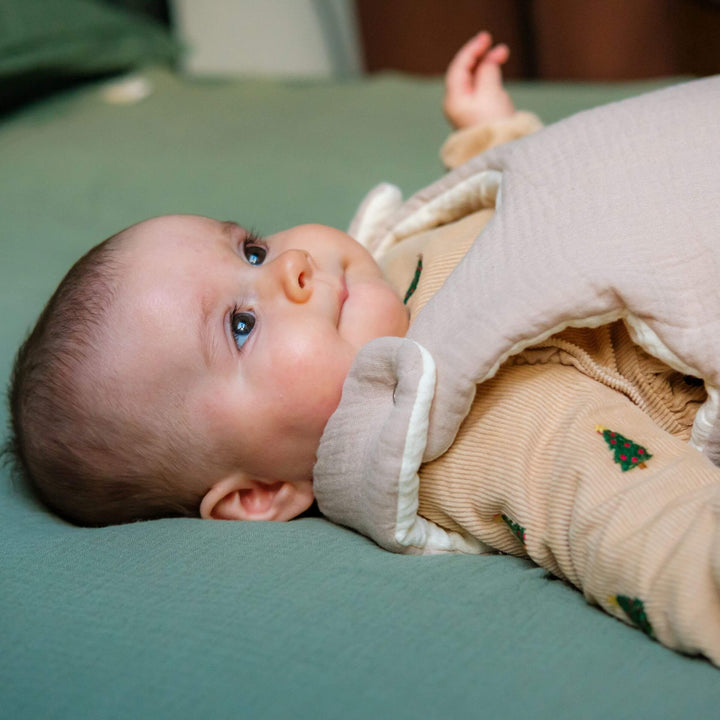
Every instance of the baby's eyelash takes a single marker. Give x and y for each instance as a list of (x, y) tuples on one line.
[(249, 320), (254, 244), (253, 237)]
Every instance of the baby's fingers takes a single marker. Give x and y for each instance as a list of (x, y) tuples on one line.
[(459, 75), (488, 73), (498, 55)]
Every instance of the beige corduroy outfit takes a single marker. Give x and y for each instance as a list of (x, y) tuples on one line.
[(565, 453)]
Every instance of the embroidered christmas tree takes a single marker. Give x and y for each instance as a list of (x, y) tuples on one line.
[(626, 453), (414, 283), (518, 530), (634, 608)]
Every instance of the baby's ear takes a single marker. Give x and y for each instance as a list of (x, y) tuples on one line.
[(240, 498)]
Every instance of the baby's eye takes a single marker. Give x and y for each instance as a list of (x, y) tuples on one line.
[(241, 325), (254, 249)]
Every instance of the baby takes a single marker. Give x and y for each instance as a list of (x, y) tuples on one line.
[(187, 366)]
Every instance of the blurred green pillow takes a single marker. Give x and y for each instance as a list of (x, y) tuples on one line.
[(50, 44)]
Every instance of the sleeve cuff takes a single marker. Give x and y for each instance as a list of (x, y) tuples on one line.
[(470, 141)]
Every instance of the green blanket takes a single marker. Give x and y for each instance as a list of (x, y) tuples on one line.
[(188, 618)]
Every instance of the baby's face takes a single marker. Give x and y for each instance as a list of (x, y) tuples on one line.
[(256, 335)]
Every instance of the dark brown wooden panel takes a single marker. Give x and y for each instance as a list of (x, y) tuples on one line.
[(421, 36), (550, 39)]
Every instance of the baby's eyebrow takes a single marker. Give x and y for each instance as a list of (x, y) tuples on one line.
[(230, 227)]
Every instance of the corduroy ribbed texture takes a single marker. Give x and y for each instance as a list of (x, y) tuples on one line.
[(530, 460), (607, 354)]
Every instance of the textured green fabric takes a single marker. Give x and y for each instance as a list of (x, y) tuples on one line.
[(187, 618), (45, 44)]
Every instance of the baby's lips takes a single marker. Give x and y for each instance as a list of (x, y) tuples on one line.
[(343, 291), (343, 295)]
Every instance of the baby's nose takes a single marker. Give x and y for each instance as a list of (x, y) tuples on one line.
[(296, 272)]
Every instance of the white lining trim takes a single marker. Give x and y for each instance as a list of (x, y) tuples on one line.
[(469, 195), (412, 530), (377, 206)]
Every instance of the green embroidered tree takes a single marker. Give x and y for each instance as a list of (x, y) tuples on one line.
[(634, 608), (626, 453), (518, 530), (414, 283)]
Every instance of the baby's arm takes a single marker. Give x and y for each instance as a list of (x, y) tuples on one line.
[(477, 104)]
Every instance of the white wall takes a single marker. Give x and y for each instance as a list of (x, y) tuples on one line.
[(317, 38)]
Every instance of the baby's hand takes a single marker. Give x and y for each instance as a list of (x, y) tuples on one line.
[(474, 91)]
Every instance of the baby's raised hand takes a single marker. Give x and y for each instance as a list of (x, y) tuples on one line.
[(474, 91)]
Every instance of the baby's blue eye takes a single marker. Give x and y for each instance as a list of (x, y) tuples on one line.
[(241, 325), (254, 253)]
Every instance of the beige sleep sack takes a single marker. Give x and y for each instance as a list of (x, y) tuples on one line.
[(557, 396)]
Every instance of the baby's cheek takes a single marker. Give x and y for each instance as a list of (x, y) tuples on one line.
[(374, 311), (313, 374)]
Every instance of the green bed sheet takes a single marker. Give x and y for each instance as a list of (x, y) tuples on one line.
[(186, 618)]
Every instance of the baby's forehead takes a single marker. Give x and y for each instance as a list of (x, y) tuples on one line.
[(172, 262), (160, 280), (169, 238), (172, 226)]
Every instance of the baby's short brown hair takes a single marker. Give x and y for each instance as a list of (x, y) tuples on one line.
[(87, 456)]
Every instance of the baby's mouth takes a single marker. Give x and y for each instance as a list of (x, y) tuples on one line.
[(342, 296)]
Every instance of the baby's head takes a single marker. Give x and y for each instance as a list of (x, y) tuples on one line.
[(186, 366)]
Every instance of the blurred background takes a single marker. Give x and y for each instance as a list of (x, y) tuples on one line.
[(47, 45), (550, 39)]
